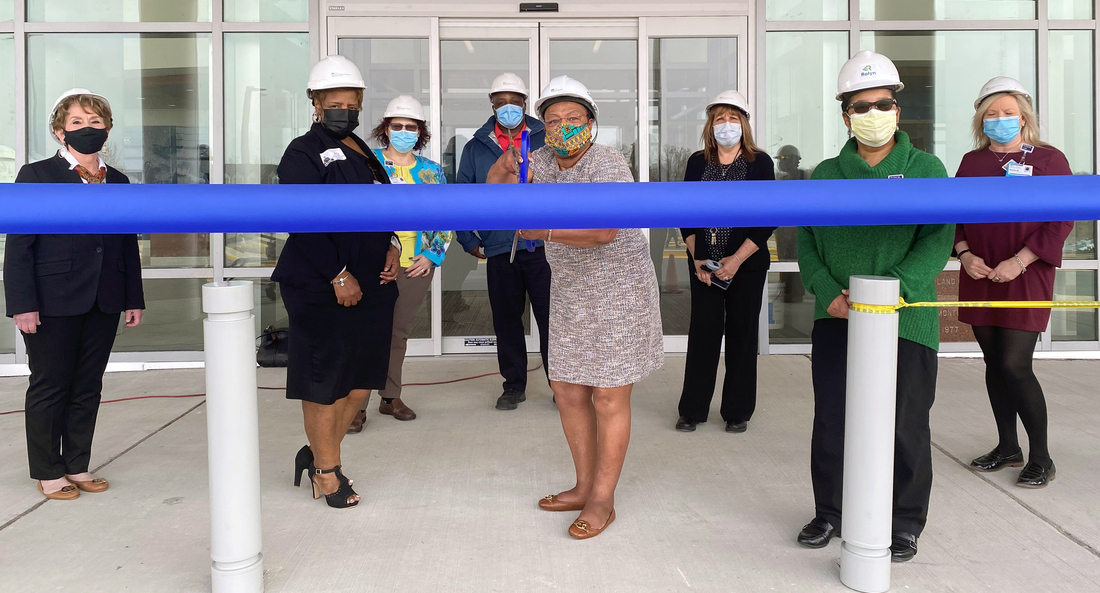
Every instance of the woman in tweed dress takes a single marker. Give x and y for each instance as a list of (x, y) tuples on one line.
[(605, 329)]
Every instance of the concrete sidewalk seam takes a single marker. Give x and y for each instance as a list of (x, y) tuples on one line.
[(106, 463), (1062, 530)]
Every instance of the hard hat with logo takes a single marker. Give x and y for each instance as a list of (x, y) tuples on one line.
[(508, 83), (66, 95), (1001, 84), (565, 88), (334, 72), (405, 106), (733, 99), (867, 70)]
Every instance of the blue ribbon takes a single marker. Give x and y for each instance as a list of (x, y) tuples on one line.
[(116, 208)]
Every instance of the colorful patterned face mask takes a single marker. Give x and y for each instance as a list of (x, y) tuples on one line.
[(568, 140)]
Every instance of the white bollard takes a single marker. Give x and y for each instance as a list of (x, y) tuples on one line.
[(232, 429), (867, 508)]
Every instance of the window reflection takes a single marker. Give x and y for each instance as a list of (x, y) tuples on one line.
[(790, 312), (920, 10), (172, 321), (1069, 325), (8, 334), (117, 11), (391, 67), (807, 10), (266, 11)]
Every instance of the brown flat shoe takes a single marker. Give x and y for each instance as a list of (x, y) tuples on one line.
[(67, 493), (582, 530), (357, 422), (551, 503), (96, 485), (397, 409)]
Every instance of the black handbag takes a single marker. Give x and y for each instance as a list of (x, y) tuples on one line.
[(274, 348)]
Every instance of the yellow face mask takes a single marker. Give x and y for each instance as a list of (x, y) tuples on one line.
[(874, 128)]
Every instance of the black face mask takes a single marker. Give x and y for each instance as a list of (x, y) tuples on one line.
[(340, 122), (86, 140)]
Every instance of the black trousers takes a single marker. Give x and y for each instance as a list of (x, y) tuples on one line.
[(917, 366), (510, 284), (735, 314), (67, 357)]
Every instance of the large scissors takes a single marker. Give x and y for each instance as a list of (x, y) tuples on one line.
[(521, 173)]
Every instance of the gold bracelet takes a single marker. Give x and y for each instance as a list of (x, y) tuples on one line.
[(548, 234)]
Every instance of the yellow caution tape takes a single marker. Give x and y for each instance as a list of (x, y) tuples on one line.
[(889, 309)]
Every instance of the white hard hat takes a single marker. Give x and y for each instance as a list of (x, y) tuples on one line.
[(508, 83), (565, 87), (334, 72), (65, 95), (405, 106), (1001, 84), (867, 70), (733, 99)]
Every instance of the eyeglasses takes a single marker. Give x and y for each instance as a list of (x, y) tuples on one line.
[(407, 127), (576, 120), (881, 105), (498, 103)]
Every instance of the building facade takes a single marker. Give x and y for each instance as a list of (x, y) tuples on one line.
[(212, 91)]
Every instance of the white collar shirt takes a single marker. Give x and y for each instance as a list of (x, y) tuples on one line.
[(73, 163)]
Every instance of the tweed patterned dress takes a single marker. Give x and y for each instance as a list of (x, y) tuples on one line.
[(605, 329)]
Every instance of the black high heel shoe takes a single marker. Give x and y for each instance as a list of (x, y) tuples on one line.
[(342, 498), (304, 460)]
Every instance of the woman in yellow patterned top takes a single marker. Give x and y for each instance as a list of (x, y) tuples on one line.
[(403, 131)]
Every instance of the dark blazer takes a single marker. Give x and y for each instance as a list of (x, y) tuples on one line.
[(760, 169), (310, 261), (64, 275)]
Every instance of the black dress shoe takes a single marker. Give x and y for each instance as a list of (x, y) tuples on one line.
[(737, 426), (1035, 476), (993, 461), (817, 533), (903, 546), (510, 400), (685, 424)]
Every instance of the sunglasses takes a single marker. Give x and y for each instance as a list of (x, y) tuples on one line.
[(407, 127), (865, 106)]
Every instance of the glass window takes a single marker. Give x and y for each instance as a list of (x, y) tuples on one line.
[(937, 105), (804, 125), (7, 112), (468, 68), (172, 321), (7, 10), (8, 333), (159, 88), (790, 309), (1071, 98), (1081, 243), (117, 11), (807, 10), (946, 10), (265, 108), (609, 68), (1074, 325), (264, 11), (391, 67), (685, 74), (1069, 9)]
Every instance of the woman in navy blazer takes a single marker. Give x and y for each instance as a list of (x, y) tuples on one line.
[(66, 293)]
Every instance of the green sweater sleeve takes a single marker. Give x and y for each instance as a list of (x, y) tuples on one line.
[(815, 274), (925, 259)]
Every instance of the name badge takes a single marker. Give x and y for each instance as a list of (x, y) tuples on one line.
[(1015, 170), (896, 177), (331, 155), (1027, 148), (397, 180)]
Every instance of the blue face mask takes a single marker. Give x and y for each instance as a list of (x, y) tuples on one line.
[(1002, 130), (510, 116), (403, 141)]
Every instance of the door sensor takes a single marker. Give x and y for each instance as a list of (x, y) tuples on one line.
[(538, 7)]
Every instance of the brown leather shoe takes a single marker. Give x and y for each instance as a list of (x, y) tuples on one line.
[(397, 409), (67, 493), (93, 486), (551, 503), (357, 422), (582, 530)]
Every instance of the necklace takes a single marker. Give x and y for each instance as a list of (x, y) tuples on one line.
[(1001, 159)]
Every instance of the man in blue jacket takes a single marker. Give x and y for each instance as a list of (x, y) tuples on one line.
[(510, 282)]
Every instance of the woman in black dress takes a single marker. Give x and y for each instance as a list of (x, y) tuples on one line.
[(337, 287), (725, 301)]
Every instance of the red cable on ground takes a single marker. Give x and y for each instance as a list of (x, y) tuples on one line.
[(140, 397)]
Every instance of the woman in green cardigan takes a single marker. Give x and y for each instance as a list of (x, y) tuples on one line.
[(915, 255)]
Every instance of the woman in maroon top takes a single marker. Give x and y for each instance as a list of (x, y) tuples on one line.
[(1011, 262)]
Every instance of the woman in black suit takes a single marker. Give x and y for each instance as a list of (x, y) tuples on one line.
[(725, 301), (66, 293), (337, 287)]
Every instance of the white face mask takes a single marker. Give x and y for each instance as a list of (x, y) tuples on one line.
[(874, 128), (727, 134)]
